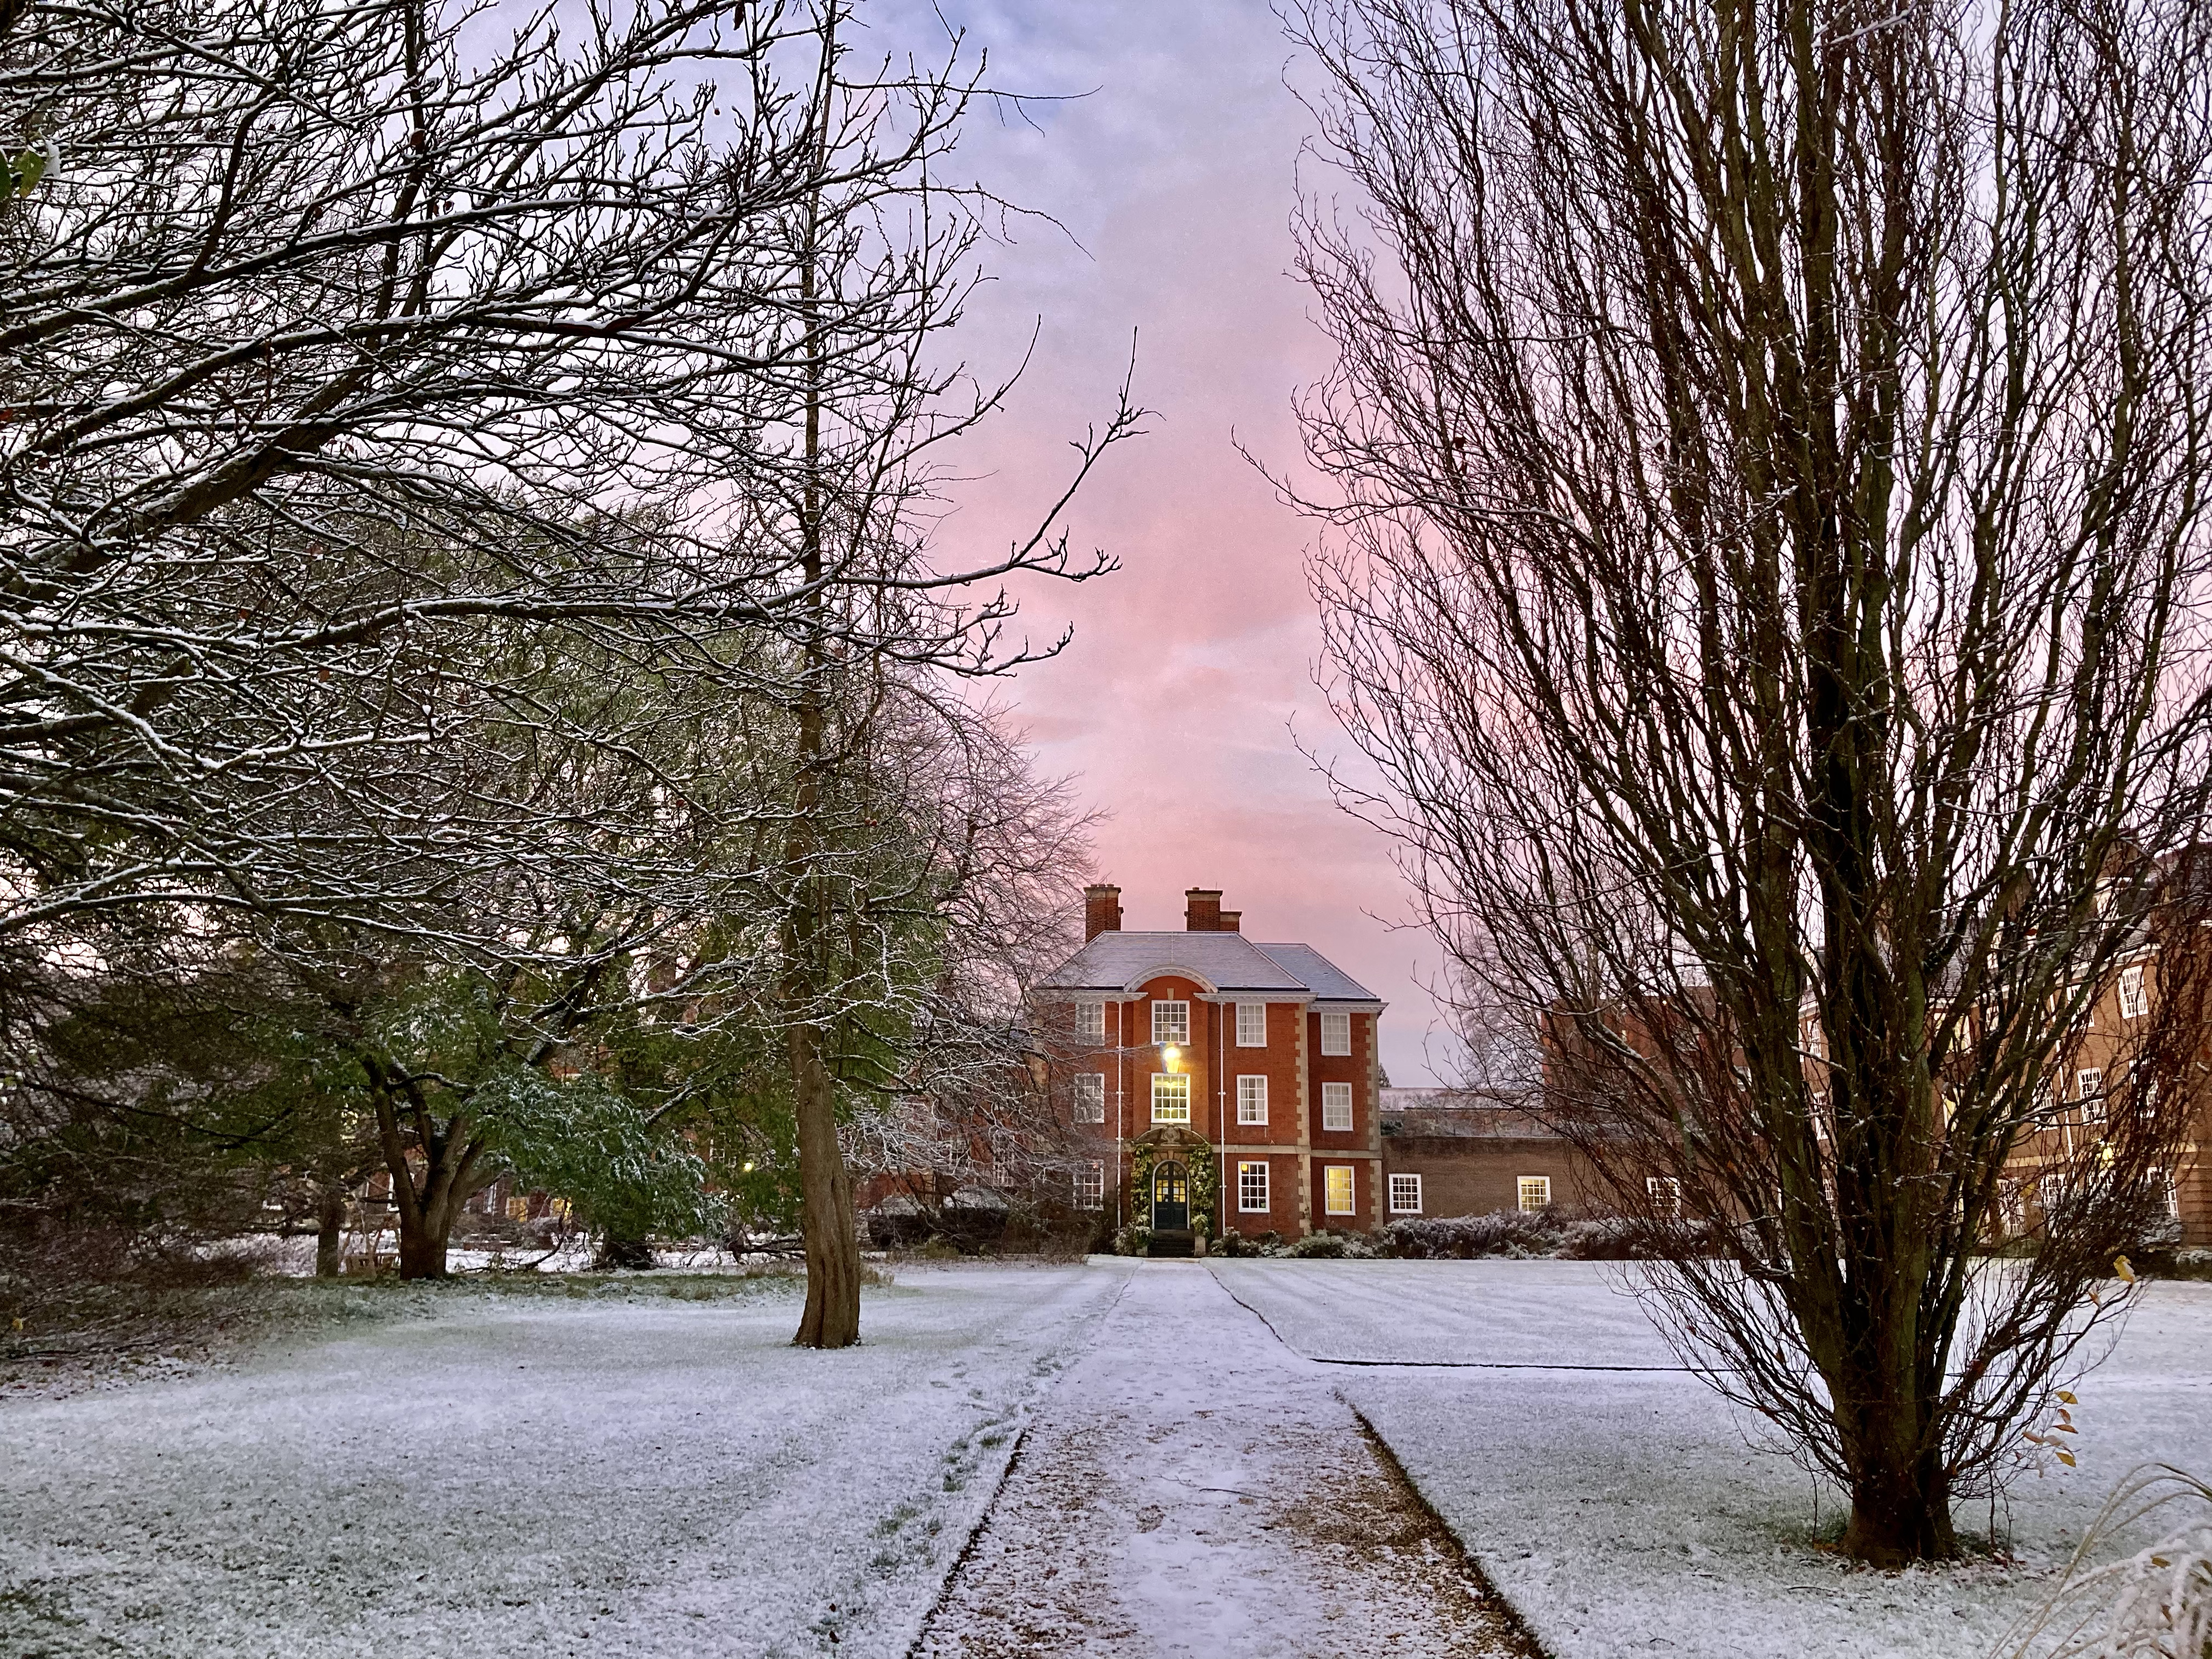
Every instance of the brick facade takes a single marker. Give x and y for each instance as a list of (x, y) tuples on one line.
[(1211, 967)]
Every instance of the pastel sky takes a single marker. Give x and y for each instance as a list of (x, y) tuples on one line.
[(1181, 703)]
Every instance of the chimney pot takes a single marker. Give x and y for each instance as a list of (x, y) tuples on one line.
[(1102, 910), (1201, 910)]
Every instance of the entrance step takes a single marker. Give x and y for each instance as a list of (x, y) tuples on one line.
[(1172, 1242)]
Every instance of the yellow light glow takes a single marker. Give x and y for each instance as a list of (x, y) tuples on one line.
[(749, 1169), (1170, 1056)]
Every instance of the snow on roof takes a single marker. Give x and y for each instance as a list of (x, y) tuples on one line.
[(1119, 960), (1318, 974)]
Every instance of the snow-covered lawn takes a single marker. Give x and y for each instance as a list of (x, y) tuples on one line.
[(1621, 1511), (506, 1474)]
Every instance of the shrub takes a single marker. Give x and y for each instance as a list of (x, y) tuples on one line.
[(1510, 1233), (1325, 1246)]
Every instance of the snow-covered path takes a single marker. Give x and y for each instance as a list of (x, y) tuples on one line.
[(1194, 1487)]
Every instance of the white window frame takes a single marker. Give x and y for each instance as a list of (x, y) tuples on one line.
[(1251, 1183), (2089, 1089), (1405, 1193), (1330, 1174), (1336, 1106), (2169, 1191), (1090, 1097), (1172, 1021), (1665, 1194), (1251, 1024), (2134, 1005), (1163, 1089), (1091, 1185), (1532, 1186), (1251, 1098), (1335, 1034), (1090, 1021)]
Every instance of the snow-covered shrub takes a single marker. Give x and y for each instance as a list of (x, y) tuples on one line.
[(1131, 1240), (1234, 1243), (1327, 1246), (1512, 1233), (2155, 1604)]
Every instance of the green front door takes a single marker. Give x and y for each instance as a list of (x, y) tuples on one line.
[(1170, 1198)]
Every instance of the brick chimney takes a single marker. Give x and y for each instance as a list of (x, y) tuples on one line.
[(1102, 910), (1201, 910), (1232, 921)]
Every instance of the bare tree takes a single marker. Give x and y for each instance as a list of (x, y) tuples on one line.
[(1772, 445)]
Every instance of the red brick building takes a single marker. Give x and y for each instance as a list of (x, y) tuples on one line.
[(1228, 1083)]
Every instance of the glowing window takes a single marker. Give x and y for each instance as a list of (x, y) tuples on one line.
[(1535, 1191), (1336, 1187), (1171, 1097)]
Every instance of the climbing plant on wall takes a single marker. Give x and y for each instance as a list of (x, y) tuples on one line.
[(1204, 1179)]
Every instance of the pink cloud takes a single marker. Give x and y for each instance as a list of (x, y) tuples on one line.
[(1175, 703)]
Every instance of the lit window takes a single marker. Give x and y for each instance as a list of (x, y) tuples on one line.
[(1090, 1187), (1171, 1097), (1090, 1098), (1665, 1192), (1336, 1105), (1171, 1022), (1336, 1034), (1405, 1194), (1336, 1186), (1535, 1191), (1251, 1024), (1252, 1187), (2133, 1004), (1090, 1021), (1251, 1100)]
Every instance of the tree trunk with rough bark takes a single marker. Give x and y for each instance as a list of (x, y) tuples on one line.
[(329, 1229)]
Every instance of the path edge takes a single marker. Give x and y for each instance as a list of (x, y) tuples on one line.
[(1469, 1561), (1466, 1557)]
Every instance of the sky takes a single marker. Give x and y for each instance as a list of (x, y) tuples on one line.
[(1181, 705)]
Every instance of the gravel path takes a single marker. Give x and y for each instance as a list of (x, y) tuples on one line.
[(1194, 1487)]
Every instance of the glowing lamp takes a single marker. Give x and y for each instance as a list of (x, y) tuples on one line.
[(1170, 1056)]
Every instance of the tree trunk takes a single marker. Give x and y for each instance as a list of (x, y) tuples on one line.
[(832, 1318), (423, 1246), (634, 1254), (1900, 1502), (330, 1228)]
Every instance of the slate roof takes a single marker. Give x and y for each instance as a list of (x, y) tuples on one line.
[(1117, 960), (1318, 974)]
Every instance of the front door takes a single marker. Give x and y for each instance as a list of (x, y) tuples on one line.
[(1170, 1198)]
